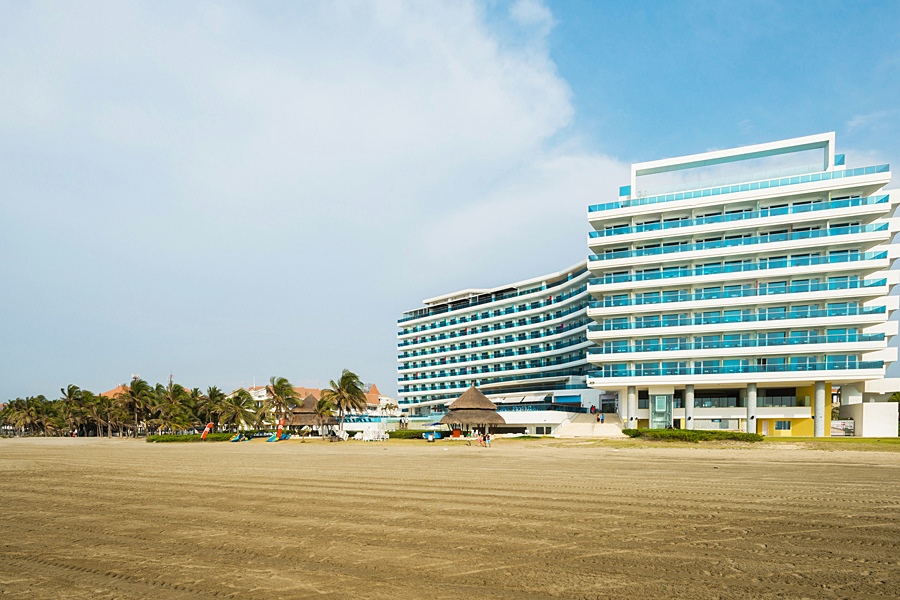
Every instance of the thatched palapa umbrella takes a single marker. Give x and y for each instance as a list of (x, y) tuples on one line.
[(473, 408), (304, 414)]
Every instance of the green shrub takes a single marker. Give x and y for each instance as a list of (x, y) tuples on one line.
[(194, 437), (408, 434), (692, 435)]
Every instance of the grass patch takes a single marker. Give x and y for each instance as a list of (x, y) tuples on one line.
[(408, 434), (692, 435), (194, 437)]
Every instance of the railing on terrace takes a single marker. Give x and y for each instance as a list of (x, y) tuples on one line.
[(716, 319), (464, 384), (497, 327), (758, 343), (544, 387), (482, 370), (742, 369), (438, 310), (762, 290), (560, 407), (781, 402), (511, 310), (507, 353), (742, 216), (743, 187), (741, 241), (535, 335), (672, 272)]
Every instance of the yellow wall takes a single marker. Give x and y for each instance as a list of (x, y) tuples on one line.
[(799, 427), (808, 429)]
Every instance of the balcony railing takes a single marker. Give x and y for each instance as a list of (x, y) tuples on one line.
[(741, 369), (743, 241), (742, 216), (743, 187), (497, 356), (721, 344), (736, 268), (474, 371), (763, 290), (444, 308), (497, 327), (457, 385), (510, 310), (754, 318)]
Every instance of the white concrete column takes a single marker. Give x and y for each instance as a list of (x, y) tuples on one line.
[(632, 407), (751, 408), (819, 410), (622, 407), (689, 407)]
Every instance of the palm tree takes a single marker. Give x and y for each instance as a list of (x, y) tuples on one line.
[(71, 406), (173, 407), (280, 397), (137, 399), (324, 411), (210, 404), (237, 409), (347, 394)]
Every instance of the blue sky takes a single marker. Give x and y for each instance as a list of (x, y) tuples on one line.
[(228, 191)]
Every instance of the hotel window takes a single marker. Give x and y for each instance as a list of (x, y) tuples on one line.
[(670, 296), (782, 425), (674, 320), (732, 291)]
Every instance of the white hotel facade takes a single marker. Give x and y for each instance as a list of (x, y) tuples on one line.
[(738, 301), (523, 344), (733, 289)]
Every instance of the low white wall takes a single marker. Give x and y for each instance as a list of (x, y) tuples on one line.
[(872, 419)]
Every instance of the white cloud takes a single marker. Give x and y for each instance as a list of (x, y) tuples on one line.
[(349, 147)]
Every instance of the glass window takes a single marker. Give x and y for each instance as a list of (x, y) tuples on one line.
[(782, 425)]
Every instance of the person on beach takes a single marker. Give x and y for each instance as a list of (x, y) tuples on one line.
[(602, 419), (487, 440)]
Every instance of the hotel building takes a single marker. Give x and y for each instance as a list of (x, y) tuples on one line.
[(732, 289), (523, 344)]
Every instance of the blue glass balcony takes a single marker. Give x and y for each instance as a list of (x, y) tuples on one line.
[(454, 335), (464, 305), (490, 314), (743, 187), (737, 369), (757, 343), (712, 320), (791, 288), (495, 368), (498, 356), (738, 268), (476, 380), (744, 241), (743, 216)]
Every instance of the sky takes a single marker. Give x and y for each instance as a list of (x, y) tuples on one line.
[(227, 191)]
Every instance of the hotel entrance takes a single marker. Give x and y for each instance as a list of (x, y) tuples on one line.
[(660, 411)]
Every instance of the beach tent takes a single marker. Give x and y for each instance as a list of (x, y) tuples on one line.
[(473, 409)]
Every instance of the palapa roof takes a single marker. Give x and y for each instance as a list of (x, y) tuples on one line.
[(472, 398), (473, 408), (304, 414), (473, 417)]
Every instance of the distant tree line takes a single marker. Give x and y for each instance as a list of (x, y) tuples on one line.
[(139, 408)]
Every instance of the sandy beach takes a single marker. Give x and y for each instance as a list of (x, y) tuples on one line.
[(404, 519)]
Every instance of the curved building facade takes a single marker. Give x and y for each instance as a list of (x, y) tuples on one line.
[(522, 343), (740, 301)]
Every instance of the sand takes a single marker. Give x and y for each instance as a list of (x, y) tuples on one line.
[(406, 519)]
